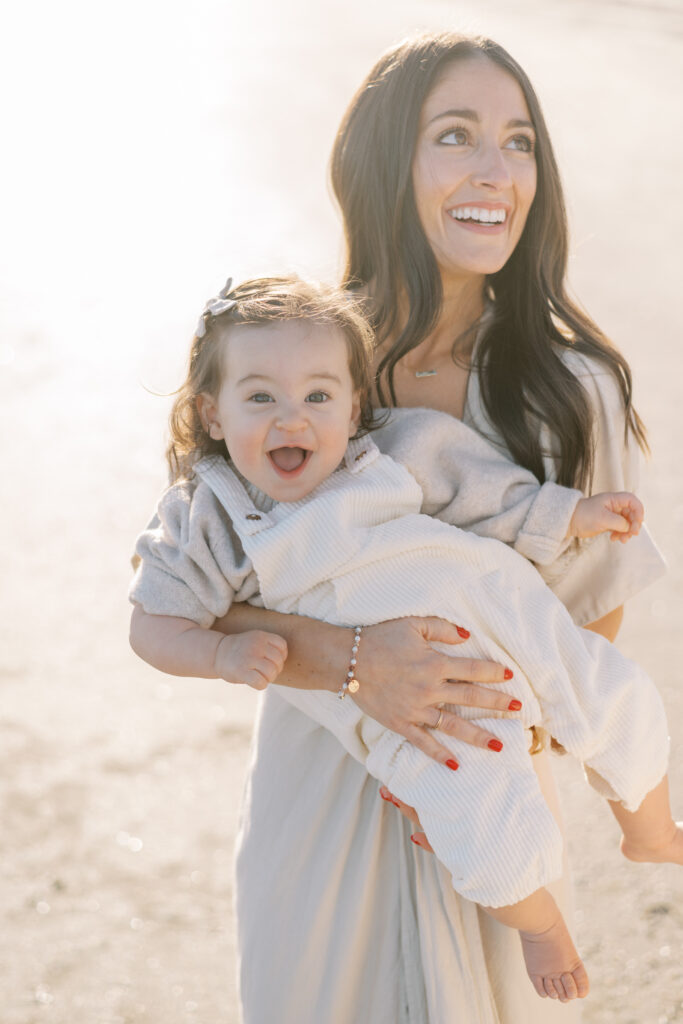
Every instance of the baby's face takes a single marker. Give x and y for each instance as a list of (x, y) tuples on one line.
[(287, 405)]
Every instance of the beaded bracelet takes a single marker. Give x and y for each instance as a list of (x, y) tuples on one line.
[(351, 684)]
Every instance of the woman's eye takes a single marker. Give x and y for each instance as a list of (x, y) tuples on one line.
[(455, 137), (260, 396), (317, 396), (523, 143)]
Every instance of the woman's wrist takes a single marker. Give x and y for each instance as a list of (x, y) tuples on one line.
[(318, 653)]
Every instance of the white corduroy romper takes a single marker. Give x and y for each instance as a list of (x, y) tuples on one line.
[(357, 551)]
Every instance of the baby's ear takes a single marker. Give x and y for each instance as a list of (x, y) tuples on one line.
[(355, 414), (208, 414)]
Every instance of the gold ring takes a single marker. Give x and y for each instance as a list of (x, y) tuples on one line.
[(439, 720)]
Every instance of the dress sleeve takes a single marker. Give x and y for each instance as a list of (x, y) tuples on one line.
[(601, 575), (189, 561), (469, 483)]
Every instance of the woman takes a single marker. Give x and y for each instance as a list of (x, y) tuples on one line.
[(457, 243)]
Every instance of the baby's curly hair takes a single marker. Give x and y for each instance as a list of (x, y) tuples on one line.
[(261, 301)]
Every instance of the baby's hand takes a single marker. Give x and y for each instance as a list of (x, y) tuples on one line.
[(620, 515), (255, 658)]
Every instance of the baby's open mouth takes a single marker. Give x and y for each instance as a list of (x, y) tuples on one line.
[(289, 460)]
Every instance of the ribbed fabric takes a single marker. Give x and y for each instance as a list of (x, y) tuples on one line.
[(369, 557)]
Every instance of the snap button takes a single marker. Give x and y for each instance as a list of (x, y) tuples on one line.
[(252, 515)]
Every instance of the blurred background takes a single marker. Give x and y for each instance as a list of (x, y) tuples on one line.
[(149, 151)]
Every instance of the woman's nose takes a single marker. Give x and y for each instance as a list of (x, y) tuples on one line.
[(492, 170)]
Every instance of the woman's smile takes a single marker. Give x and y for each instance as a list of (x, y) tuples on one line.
[(488, 218)]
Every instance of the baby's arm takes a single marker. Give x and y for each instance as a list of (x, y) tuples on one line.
[(182, 648), (190, 570), (469, 483), (619, 514)]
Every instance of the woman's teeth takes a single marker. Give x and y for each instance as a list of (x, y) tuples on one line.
[(479, 214)]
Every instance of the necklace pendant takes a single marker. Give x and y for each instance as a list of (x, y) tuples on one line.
[(425, 373)]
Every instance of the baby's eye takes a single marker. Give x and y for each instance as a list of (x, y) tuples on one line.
[(317, 396), (455, 137), (523, 143), (260, 396)]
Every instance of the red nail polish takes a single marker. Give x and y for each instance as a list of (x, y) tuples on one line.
[(416, 841), (464, 633), (387, 798), (495, 745), (453, 765), (508, 673), (514, 705), (395, 803)]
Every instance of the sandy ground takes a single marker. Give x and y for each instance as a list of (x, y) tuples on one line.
[(152, 151)]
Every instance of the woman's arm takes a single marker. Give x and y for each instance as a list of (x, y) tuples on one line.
[(403, 679)]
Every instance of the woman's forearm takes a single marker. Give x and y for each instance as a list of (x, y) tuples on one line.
[(318, 653)]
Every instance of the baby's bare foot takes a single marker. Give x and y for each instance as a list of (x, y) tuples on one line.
[(666, 848), (554, 966)]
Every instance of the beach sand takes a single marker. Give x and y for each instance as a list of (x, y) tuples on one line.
[(156, 151)]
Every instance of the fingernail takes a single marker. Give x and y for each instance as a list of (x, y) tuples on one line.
[(453, 765), (514, 705), (416, 840), (387, 798), (464, 633), (395, 802), (507, 674), (495, 745)]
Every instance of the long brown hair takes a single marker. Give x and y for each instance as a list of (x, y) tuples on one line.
[(520, 356), (260, 301)]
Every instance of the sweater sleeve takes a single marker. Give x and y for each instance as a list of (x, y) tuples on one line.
[(470, 484), (190, 562), (600, 575)]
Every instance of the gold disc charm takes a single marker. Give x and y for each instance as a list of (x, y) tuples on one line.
[(354, 686)]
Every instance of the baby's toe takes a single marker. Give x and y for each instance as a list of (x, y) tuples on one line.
[(537, 982), (582, 982), (551, 988), (569, 985)]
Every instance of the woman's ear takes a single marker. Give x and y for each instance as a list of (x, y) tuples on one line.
[(208, 414)]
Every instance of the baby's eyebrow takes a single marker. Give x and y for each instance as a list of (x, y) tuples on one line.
[(251, 378)]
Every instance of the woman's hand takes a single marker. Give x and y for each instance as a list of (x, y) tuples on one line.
[(404, 682), (418, 837)]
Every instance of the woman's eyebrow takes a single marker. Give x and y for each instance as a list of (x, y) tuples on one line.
[(467, 114)]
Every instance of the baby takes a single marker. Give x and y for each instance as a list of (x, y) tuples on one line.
[(283, 499)]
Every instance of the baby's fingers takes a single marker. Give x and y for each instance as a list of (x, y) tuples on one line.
[(630, 511)]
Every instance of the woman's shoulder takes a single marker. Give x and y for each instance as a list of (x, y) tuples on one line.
[(598, 379)]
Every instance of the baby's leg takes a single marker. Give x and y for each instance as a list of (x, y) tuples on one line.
[(554, 966), (650, 833)]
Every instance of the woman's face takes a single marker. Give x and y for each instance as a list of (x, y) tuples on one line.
[(474, 169)]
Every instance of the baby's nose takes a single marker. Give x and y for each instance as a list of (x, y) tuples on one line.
[(291, 418)]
